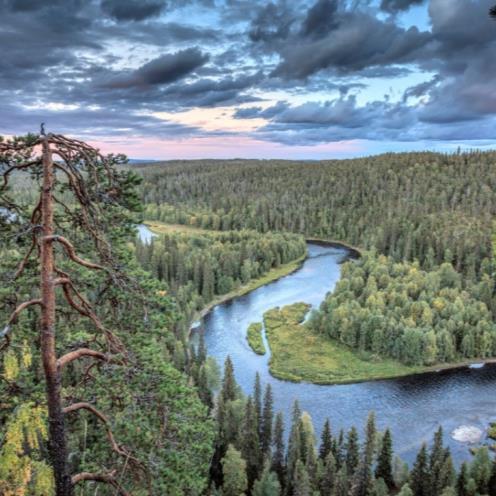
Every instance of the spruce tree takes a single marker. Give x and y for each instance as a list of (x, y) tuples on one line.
[(208, 281), (250, 445), (419, 478), (307, 438), (203, 389), (201, 355), (384, 468), (480, 469), (352, 453), (229, 387), (370, 439), (313, 466), (436, 461), (325, 441), (447, 474), (301, 481), (294, 447), (462, 480), (267, 420), (342, 483), (328, 481), (338, 449), (362, 479), (257, 403), (278, 465)]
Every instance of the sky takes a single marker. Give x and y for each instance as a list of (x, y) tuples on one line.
[(293, 79)]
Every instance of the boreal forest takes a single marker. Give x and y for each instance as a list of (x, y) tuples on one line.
[(139, 405), (247, 248)]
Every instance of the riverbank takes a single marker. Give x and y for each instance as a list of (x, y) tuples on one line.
[(163, 228), (298, 354), (353, 251), (271, 276)]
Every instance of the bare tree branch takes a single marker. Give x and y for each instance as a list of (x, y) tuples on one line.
[(85, 309), (71, 252), (4, 333), (105, 478), (82, 352), (11, 169), (24, 261), (115, 446)]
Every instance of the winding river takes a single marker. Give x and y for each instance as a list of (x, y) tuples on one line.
[(413, 407)]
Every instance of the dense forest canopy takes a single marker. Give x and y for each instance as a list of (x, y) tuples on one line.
[(397, 310), (422, 293), (409, 206), (200, 266)]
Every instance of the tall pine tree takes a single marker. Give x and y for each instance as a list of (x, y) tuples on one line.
[(325, 441), (384, 468), (266, 421)]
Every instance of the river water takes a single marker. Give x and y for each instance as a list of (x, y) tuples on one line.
[(413, 407)]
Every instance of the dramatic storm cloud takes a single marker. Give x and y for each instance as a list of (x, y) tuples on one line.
[(303, 77)]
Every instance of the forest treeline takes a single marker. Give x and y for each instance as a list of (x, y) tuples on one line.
[(418, 317), (424, 206), (253, 457), (200, 266)]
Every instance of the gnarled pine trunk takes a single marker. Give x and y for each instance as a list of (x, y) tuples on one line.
[(57, 440)]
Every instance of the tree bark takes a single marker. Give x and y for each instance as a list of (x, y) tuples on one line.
[(57, 439)]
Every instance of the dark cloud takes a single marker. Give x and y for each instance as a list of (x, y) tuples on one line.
[(83, 59), (209, 92), (420, 89), (91, 123), (356, 42), (259, 112), (133, 10), (321, 19), (272, 22), (394, 6), (162, 70)]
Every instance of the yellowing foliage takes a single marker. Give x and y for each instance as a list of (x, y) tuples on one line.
[(22, 470), (10, 366)]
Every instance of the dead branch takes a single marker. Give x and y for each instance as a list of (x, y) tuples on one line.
[(81, 352), (11, 169), (115, 447), (85, 309), (71, 252), (105, 478), (4, 333), (24, 261)]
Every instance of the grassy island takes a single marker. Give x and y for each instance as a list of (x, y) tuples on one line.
[(254, 337), (300, 354)]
